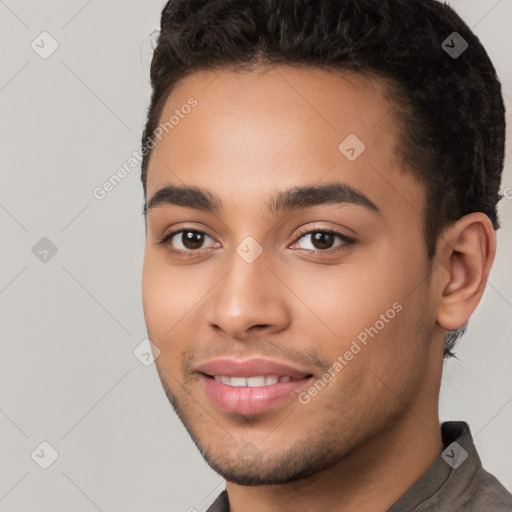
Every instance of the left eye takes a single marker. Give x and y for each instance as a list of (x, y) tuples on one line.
[(322, 240)]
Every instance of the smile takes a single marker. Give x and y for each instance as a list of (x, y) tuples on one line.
[(253, 382)]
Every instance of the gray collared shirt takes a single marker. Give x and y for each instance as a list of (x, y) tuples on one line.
[(455, 482)]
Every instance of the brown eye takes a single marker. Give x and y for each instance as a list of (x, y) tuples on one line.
[(185, 240), (192, 239), (323, 240)]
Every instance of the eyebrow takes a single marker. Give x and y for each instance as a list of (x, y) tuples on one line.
[(292, 199)]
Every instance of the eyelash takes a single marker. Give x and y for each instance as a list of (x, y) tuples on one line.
[(347, 242)]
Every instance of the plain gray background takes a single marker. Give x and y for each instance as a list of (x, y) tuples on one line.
[(69, 325)]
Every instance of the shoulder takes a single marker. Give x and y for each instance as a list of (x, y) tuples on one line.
[(489, 494)]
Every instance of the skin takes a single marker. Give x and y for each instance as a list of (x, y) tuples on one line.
[(370, 434)]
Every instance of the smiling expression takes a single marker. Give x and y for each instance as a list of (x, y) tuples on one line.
[(281, 226)]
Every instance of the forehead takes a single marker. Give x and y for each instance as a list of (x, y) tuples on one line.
[(268, 129)]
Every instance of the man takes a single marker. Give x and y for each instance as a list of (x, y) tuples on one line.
[(321, 180)]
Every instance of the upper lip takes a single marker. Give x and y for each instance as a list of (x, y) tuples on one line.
[(250, 368)]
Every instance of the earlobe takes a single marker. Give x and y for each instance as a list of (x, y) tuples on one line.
[(466, 253)]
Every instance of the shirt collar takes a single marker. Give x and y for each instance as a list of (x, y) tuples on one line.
[(450, 475)]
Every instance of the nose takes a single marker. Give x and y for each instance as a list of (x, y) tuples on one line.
[(249, 300)]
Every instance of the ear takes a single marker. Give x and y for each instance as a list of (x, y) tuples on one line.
[(465, 254)]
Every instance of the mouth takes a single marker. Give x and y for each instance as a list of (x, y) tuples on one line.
[(252, 386), (256, 381)]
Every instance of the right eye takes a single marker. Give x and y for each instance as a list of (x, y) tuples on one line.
[(188, 241)]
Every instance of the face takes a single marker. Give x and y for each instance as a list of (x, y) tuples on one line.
[(303, 262)]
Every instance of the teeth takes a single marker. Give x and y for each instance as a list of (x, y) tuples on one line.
[(260, 380), (238, 381), (255, 381)]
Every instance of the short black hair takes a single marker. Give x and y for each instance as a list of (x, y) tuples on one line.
[(449, 107)]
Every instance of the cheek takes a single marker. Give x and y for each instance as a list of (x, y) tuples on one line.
[(152, 291), (163, 296), (343, 302), (169, 296), (371, 308)]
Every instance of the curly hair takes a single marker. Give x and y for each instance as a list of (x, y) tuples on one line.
[(450, 110)]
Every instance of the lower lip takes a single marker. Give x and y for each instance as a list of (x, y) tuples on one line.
[(250, 400)]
